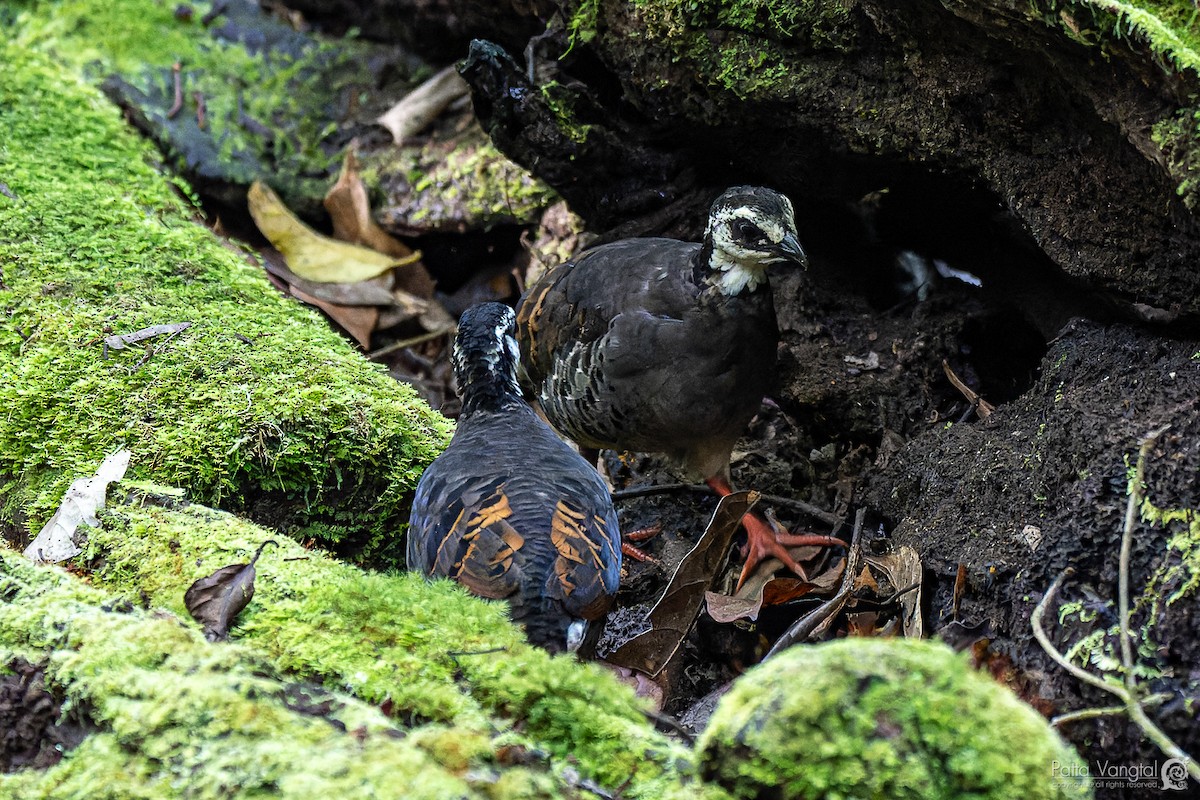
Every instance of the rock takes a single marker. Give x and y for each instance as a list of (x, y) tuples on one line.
[(895, 718)]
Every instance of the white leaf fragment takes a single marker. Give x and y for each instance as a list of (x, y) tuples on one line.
[(56, 541)]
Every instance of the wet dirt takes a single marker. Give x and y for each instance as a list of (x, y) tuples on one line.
[(865, 417), (34, 734)]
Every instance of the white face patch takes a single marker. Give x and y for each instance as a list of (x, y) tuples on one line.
[(742, 265)]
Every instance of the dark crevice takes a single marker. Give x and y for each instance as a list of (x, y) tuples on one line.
[(33, 732)]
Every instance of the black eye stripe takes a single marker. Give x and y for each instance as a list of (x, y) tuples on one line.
[(747, 230)]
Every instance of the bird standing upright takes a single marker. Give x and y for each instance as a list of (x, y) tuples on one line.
[(510, 510), (659, 345)]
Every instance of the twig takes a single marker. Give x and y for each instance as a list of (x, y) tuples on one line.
[(1106, 711), (815, 512), (662, 488), (178, 104), (403, 343), (1039, 633), (803, 627), (984, 408), (1086, 713), (1129, 691), (1136, 492)]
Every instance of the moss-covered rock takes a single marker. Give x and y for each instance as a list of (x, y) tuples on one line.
[(429, 653), (258, 405), (179, 717), (338, 680), (882, 718)]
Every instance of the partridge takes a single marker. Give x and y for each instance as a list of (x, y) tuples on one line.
[(660, 345), (509, 510)]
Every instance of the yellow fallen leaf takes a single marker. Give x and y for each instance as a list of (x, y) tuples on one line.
[(350, 211), (309, 254)]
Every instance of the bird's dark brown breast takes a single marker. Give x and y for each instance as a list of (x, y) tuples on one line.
[(624, 349)]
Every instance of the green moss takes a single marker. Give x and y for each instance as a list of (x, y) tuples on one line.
[(455, 185), (258, 403), (582, 27), (819, 23), (561, 101), (894, 718), (428, 652), (1177, 137), (253, 127), (180, 717), (749, 48), (1169, 27)]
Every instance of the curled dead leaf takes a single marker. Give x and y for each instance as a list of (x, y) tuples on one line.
[(350, 212), (214, 601), (902, 568), (673, 614), (761, 588), (57, 540)]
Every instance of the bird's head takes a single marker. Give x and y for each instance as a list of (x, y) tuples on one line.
[(750, 227), (486, 355)]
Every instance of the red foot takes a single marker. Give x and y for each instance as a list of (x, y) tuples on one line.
[(764, 541), (637, 555), (640, 535)]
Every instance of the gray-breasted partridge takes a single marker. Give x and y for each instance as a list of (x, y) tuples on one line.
[(659, 345), (510, 510)]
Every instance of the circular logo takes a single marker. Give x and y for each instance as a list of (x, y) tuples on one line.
[(1174, 774)]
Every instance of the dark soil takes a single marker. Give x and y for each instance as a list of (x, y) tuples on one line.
[(34, 734)]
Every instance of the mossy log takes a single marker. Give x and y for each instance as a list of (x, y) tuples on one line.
[(427, 691), (257, 406)]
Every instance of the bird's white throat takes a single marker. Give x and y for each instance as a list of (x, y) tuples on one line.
[(734, 277)]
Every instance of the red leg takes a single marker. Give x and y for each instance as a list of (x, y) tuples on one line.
[(764, 541)]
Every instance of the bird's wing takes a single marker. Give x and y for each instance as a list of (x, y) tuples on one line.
[(462, 531), (575, 303), (541, 529), (586, 559)]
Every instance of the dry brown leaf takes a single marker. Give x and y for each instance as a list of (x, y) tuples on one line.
[(422, 105), (762, 589), (215, 600), (863, 623), (673, 614), (866, 580), (309, 254), (350, 211), (358, 321), (373, 292), (902, 568)]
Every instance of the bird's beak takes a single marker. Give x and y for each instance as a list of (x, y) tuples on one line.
[(791, 250)]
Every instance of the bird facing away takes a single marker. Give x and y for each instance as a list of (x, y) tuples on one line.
[(659, 345), (509, 510)]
